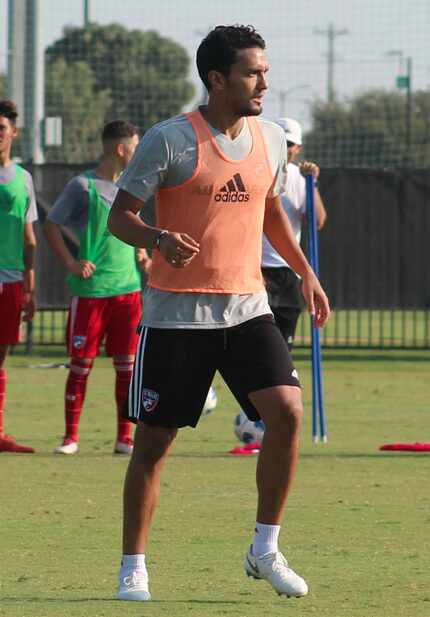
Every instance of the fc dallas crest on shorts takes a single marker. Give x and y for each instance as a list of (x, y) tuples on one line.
[(149, 399)]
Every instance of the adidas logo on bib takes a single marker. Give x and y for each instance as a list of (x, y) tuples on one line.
[(233, 191)]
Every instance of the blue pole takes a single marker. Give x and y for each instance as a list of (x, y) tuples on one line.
[(318, 432)]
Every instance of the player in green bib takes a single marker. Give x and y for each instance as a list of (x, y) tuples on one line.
[(18, 211), (104, 280)]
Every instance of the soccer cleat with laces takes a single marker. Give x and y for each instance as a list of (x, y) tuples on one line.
[(8, 444), (273, 567), (67, 447), (123, 447), (133, 584)]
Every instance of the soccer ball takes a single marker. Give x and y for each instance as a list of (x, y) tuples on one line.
[(210, 402), (248, 431)]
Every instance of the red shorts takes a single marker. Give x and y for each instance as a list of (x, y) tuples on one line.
[(11, 303), (114, 320)]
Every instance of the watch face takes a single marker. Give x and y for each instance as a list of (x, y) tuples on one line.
[(158, 238)]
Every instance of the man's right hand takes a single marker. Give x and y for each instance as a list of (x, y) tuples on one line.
[(178, 249), (83, 268)]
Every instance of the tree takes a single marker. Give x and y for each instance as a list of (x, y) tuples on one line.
[(71, 94), (371, 131), (146, 73), (2, 85)]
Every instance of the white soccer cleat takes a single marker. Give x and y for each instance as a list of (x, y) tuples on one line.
[(133, 584), (273, 567), (211, 402), (67, 447), (123, 447)]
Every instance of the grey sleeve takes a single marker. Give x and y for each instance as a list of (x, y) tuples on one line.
[(280, 179), (71, 206), (31, 215), (147, 170)]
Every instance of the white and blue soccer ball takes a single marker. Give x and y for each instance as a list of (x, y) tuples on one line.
[(248, 431), (211, 402)]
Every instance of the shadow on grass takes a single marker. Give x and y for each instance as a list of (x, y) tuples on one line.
[(49, 454), (321, 455), (39, 600)]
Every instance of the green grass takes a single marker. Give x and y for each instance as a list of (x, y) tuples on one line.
[(356, 524)]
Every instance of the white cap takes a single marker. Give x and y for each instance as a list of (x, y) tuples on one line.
[(292, 128)]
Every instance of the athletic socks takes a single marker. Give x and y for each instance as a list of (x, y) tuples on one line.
[(75, 395), (124, 371), (3, 379), (265, 539), (133, 561)]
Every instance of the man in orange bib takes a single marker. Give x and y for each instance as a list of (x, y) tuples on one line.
[(217, 175)]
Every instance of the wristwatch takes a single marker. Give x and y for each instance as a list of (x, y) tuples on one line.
[(156, 244)]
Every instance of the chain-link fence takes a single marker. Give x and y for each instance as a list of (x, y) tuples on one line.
[(356, 74)]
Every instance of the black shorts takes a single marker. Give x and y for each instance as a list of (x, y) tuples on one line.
[(175, 368), (283, 288)]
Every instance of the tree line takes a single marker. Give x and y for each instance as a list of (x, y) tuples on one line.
[(100, 73)]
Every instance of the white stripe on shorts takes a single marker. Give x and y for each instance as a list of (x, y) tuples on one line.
[(135, 390)]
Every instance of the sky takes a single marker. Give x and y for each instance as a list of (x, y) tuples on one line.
[(295, 32)]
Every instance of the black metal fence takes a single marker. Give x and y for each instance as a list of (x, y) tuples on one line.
[(374, 259)]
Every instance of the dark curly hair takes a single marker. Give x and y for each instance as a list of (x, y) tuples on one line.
[(8, 110), (218, 50)]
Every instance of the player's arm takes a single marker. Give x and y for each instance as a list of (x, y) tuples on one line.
[(29, 278), (125, 223), (320, 210), (55, 238), (277, 228)]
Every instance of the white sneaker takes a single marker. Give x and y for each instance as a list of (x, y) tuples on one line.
[(67, 447), (273, 567), (133, 584), (211, 402), (123, 447)]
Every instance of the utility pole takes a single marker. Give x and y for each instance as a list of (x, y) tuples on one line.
[(408, 104), (86, 13), (404, 82), (26, 73), (331, 33)]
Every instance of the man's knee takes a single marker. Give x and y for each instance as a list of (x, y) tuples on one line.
[(281, 408), (290, 414), (152, 443)]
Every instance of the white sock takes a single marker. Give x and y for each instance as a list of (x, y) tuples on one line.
[(265, 539), (133, 561)]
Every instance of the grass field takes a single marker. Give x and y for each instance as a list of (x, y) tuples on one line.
[(357, 523)]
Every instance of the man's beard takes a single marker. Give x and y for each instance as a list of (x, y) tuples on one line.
[(251, 111)]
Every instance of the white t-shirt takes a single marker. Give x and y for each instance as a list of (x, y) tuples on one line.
[(166, 157), (294, 204)]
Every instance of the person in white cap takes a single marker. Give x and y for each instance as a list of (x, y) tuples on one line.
[(282, 283)]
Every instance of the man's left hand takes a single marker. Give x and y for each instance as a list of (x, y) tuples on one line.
[(316, 299)]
